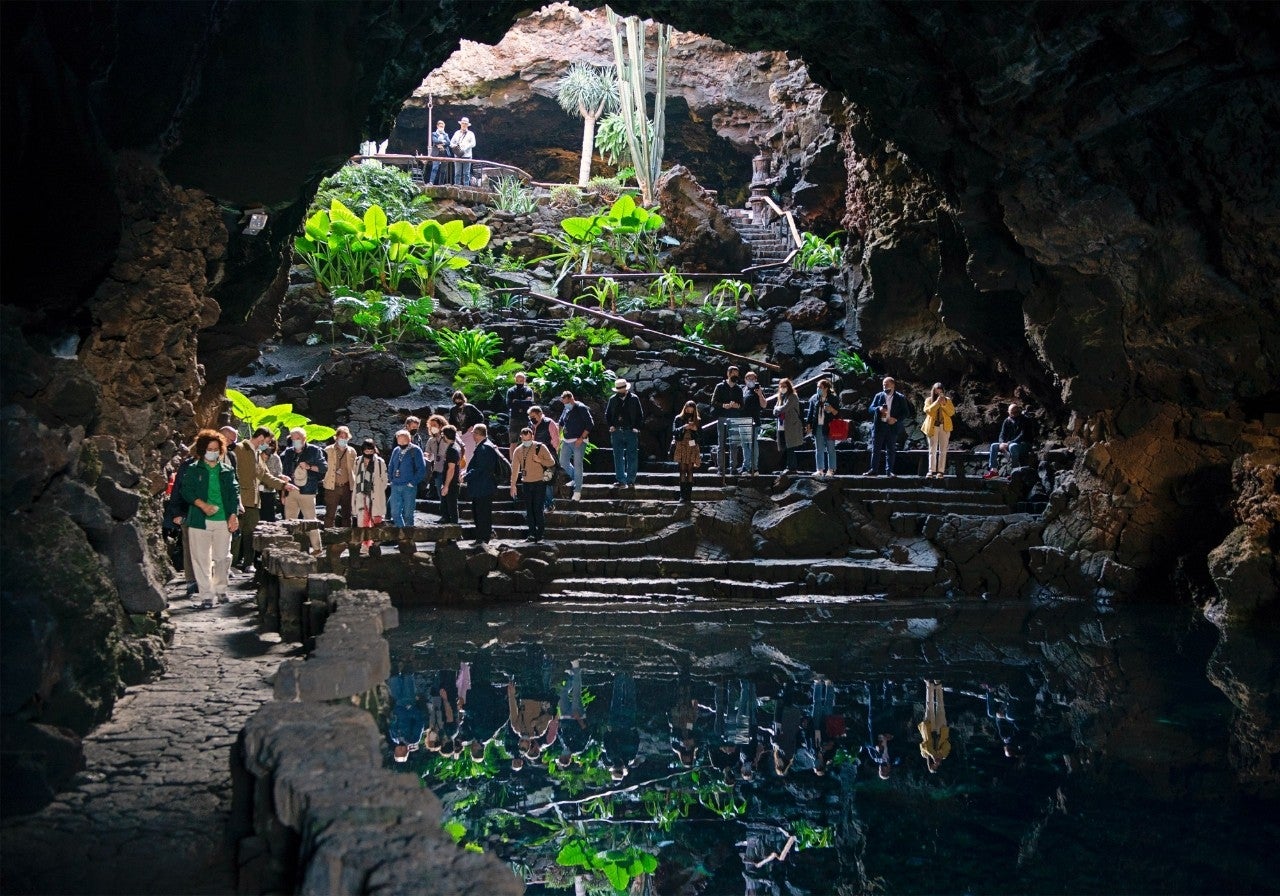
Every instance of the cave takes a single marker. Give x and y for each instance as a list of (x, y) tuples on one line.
[(1073, 207)]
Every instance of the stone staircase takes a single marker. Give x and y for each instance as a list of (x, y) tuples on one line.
[(643, 544), (768, 243)]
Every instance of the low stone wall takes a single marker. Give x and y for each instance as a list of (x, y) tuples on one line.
[(290, 597), (314, 810)]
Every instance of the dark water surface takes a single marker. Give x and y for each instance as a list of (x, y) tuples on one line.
[(1117, 782)]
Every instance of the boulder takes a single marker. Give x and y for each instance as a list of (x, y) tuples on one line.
[(809, 314), (783, 342), (800, 529), (347, 374), (708, 239)]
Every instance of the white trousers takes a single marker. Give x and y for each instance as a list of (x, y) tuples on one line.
[(210, 557), (938, 450), (298, 506)]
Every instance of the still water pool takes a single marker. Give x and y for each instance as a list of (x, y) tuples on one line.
[(776, 749)]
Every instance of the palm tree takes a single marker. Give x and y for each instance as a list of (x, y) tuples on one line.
[(588, 92)]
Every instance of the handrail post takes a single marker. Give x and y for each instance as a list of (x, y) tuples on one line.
[(722, 450)]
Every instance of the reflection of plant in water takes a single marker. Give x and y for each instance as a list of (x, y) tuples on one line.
[(721, 798), (465, 768), (666, 807), (619, 866), (811, 837)]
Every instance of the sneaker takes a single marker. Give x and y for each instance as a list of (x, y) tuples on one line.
[(192, 588), (577, 496), (816, 474), (868, 473), (206, 604), (990, 474), (224, 599)]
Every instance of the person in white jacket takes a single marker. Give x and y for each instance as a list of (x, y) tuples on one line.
[(463, 144)]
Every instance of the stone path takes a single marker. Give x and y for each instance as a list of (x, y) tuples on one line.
[(149, 813)]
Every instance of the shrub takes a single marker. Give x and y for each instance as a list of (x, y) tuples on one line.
[(585, 376), (513, 196), (851, 362), (816, 252), (385, 320), (576, 328), (566, 196), (481, 379), (463, 347), (371, 183), (278, 418)]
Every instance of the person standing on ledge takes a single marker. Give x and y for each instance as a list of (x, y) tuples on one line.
[(624, 414), (341, 460), (532, 463), (463, 144), (575, 428), (305, 467), (938, 411), (687, 452), (484, 469), (440, 149), (823, 408), (406, 469), (888, 409)]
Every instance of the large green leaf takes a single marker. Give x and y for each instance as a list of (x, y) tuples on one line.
[(573, 855), (339, 213), (618, 877), (317, 226), (375, 222), (582, 229), (404, 233), (623, 206), (317, 432), (431, 232), (475, 237), (243, 407)]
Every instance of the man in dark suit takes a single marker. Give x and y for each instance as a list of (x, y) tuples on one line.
[(888, 414)]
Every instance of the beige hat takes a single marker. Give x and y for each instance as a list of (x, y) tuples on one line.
[(621, 385), (464, 120)]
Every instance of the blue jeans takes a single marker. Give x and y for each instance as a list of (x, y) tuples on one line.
[(744, 435), (1017, 453), (824, 451), (462, 173), (626, 455), (404, 498), (571, 460)]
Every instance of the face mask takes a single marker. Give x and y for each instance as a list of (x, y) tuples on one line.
[(368, 454), (298, 443), (526, 439), (264, 447), (435, 430), (733, 379), (212, 456), (403, 444), (457, 403), (342, 443), (751, 384)]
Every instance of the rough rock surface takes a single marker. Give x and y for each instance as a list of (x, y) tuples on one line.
[(709, 241)]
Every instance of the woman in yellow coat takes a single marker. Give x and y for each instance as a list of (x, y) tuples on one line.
[(938, 411), (935, 736)]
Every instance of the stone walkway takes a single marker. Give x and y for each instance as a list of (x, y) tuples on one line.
[(149, 813)]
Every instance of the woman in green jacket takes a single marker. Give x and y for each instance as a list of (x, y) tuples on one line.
[(213, 497)]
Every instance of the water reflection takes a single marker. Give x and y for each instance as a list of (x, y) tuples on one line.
[(741, 752)]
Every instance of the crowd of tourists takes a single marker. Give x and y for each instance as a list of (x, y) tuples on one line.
[(730, 729), (225, 485)]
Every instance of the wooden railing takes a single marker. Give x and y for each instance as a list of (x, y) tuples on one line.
[(399, 159)]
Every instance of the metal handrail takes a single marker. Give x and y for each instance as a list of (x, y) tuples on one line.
[(790, 218), (394, 157)]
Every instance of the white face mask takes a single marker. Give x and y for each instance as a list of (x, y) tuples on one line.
[(435, 430), (212, 456), (342, 443), (298, 443)]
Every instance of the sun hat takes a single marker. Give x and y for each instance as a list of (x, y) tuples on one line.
[(621, 385)]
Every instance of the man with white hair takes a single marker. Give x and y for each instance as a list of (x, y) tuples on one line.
[(463, 143), (406, 468), (340, 458), (305, 467)]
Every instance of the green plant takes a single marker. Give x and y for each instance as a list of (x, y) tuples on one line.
[(851, 362), (629, 304), (672, 289), (584, 376), (345, 249), (566, 195), (504, 262), (810, 837), (619, 866), (605, 292), (588, 92), (697, 333), (371, 183), (738, 290), (577, 328), (513, 196), (463, 347), (278, 418), (717, 313), (385, 320), (628, 57), (816, 252), (481, 379)]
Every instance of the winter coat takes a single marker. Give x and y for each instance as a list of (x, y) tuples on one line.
[(790, 422), (937, 412), (289, 460), (815, 403), (369, 491), (195, 487)]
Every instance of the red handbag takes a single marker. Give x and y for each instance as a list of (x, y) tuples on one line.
[(838, 429)]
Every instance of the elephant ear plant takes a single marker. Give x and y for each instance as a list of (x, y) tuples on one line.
[(370, 252), (278, 418)]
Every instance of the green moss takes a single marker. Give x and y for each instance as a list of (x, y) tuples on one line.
[(90, 465)]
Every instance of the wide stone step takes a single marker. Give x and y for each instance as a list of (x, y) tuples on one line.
[(925, 506), (706, 587), (845, 575)]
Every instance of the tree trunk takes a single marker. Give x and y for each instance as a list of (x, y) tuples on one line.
[(588, 146)]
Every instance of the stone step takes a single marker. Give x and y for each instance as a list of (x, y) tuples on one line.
[(855, 575), (925, 507)]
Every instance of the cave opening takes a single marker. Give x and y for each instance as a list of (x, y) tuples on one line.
[(1072, 211)]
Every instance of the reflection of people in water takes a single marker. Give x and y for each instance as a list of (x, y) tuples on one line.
[(734, 748), (1006, 727), (572, 730), (482, 713), (621, 736), (529, 719), (935, 736), (407, 722), (434, 690), (763, 851), (684, 722), (877, 745)]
